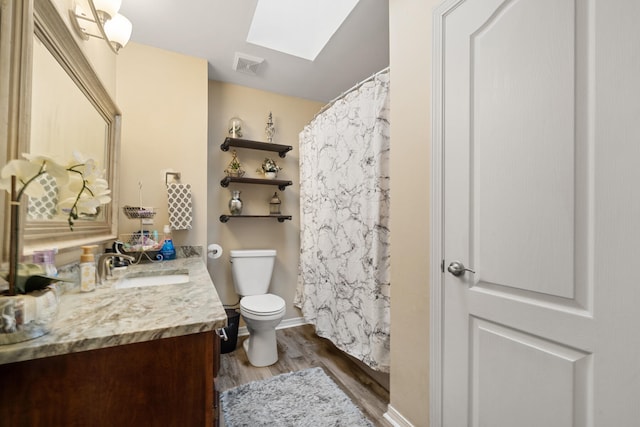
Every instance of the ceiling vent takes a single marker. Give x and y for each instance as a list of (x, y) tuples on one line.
[(246, 63)]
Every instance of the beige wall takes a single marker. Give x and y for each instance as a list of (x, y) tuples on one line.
[(290, 115), (410, 49), (163, 98)]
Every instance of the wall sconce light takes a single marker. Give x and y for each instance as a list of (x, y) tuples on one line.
[(112, 27)]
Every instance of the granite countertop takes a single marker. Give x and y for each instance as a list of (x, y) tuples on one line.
[(110, 317)]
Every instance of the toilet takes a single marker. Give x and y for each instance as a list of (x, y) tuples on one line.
[(261, 311)]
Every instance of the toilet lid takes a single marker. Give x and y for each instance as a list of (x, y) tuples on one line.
[(262, 304)]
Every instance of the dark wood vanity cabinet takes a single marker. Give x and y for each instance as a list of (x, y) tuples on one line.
[(164, 382)]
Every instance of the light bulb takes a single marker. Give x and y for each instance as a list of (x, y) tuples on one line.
[(118, 30)]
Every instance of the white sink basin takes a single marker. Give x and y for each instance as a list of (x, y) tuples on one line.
[(153, 278)]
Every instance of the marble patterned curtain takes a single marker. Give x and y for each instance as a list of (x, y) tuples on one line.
[(343, 279)]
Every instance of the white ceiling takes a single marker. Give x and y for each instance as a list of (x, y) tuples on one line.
[(217, 29)]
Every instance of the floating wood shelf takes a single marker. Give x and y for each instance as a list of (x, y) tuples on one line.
[(280, 218), (281, 183), (255, 145), (282, 150)]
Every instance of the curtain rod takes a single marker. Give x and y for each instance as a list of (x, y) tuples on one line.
[(354, 88)]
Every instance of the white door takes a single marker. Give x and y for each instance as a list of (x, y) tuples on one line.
[(539, 145)]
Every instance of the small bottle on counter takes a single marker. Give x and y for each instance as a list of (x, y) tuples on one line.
[(168, 251), (46, 258), (87, 269)]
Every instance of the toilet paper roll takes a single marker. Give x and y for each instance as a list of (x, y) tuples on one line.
[(214, 251)]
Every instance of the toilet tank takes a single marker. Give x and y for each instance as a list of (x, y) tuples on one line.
[(251, 270)]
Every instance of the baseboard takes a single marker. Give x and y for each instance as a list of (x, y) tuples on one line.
[(286, 323), (395, 418)]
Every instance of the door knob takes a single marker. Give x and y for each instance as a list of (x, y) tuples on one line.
[(457, 268)]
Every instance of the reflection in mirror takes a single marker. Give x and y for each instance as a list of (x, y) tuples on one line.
[(67, 108), (62, 121)]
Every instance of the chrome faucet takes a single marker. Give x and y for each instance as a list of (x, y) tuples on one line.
[(105, 265)]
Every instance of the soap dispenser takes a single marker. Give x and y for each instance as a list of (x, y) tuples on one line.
[(87, 269), (168, 251)]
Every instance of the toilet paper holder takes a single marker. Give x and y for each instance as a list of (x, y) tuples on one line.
[(176, 176), (214, 251)]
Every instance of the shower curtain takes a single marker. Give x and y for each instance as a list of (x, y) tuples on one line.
[(343, 278)]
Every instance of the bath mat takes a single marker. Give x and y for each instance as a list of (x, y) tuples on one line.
[(307, 398)]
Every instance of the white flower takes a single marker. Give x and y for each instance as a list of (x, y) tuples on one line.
[(24, 171), (83, 164), (81, 185), (79, 157), (53, 168), (83, 193)]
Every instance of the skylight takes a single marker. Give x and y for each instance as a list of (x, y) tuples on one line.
[(298, 27)]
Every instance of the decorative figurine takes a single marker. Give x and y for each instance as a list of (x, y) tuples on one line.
[(235, 168), (269, 168), (274, 204), (235, 127), (270, 130)]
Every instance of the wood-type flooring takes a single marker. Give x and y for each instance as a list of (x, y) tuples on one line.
[(300, 348)]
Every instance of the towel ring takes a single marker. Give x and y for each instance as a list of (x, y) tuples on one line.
[(176, 175)]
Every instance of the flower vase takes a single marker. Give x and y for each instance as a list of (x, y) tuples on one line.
[(271, 175), (235, 204), (16, 327)]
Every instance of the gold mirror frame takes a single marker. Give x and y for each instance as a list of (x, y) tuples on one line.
[(19, 21)]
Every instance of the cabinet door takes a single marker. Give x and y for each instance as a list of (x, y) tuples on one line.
[(143, 384)]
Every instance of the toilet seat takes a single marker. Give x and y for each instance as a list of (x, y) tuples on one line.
[(262, 305)]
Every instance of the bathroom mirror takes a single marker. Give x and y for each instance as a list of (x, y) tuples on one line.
[(63, 107), (63, 120)]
